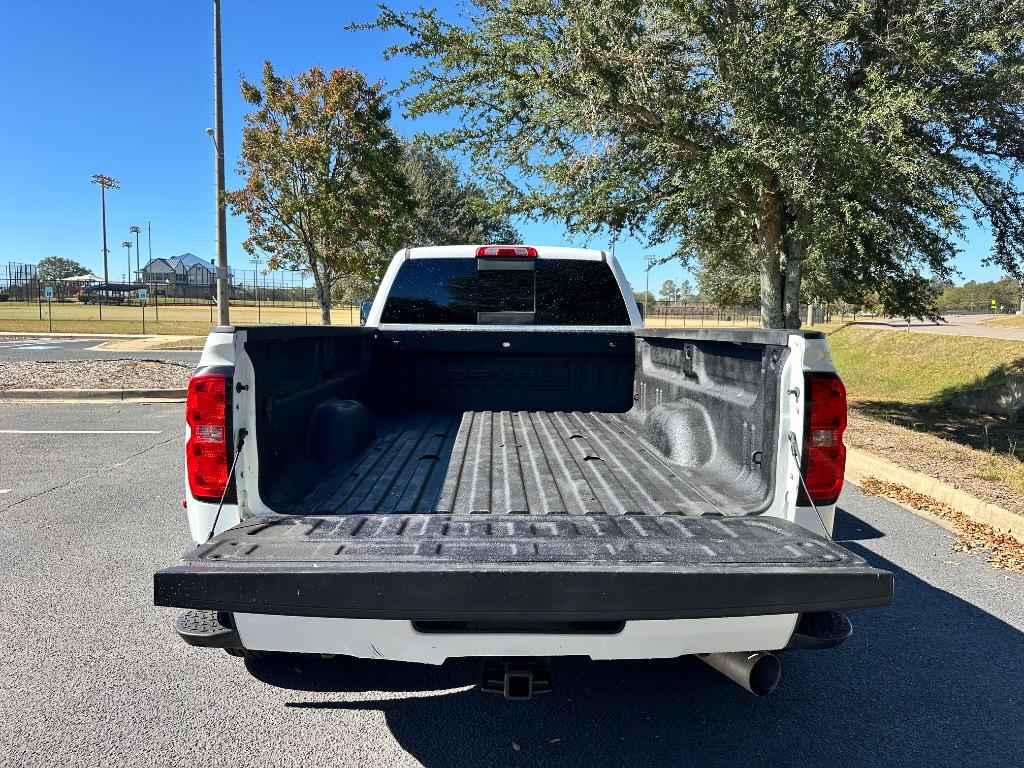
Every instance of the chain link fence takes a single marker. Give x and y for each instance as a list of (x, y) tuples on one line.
[(699, 314), (20, 283)]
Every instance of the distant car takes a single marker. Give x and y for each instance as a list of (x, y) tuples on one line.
[(364, 310)]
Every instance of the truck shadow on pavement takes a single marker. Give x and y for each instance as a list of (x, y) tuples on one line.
[(932, 681)]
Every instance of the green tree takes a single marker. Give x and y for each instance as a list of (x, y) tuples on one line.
[(54, 268), (668, 291), (728, 281), (1011, 258), (324, 188), (354, 289), (973, 296), (450, 210), (845, 142), (644, 296)]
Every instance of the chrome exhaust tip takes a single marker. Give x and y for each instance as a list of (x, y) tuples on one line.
[(757, 671)]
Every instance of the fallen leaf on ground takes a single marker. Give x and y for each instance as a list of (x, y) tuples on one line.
[(974, 538)]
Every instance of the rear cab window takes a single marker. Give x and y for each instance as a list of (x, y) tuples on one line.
[(505, 291)]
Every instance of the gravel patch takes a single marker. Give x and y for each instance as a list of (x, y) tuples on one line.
[(990, 476), (94, 374)]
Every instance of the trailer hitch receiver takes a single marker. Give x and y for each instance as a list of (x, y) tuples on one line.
[(516, 679)]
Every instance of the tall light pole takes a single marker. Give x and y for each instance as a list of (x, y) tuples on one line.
[(128, 244), (649, 259), (138, 270), (105, 183), (305, 304), (256, 261), (223, 313)]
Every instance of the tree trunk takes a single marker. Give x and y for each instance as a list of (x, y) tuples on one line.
[(791, 283), (1021, 298), (323, 298), (780, 290), (771, 293), (781, 253), (794, 251), (769, 241)]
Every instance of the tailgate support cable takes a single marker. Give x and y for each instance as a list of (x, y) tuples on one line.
[(800, 474), (231, 474)]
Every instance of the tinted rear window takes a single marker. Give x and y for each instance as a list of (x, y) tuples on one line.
[(499, 291)]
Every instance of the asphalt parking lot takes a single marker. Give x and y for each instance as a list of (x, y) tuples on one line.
[(93, 674)]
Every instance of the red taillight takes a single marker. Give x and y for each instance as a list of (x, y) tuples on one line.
[(522, 251), (824, 452), (208, 450)]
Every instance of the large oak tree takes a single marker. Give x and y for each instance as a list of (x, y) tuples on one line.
[(846, 142)]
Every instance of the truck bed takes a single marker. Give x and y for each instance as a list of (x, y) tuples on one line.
[(513, 462)]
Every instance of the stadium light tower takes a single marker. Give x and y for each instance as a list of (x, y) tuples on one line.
[(105, 183), (135, 230), (649, 261), (128, 244)]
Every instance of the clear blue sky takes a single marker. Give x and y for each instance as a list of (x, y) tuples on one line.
[(126, 89)]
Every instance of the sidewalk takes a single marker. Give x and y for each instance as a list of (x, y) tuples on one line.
[(955, 325)]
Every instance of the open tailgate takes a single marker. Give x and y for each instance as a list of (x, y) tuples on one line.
[(501, 567)]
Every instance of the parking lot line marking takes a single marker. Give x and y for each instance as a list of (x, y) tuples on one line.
[(80, 431)]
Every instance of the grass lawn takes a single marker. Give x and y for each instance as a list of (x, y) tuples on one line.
[(908, 379), (188, 342), (1007, 321), (888, 365), (74, 317)]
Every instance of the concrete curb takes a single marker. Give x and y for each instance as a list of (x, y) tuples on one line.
[(93, 395), (63, 335), (861, 464), (143, 345)]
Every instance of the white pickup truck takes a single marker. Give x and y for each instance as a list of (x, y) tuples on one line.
[(505, 464)]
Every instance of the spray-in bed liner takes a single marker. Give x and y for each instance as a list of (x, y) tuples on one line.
[(514, 568), (515, 462)]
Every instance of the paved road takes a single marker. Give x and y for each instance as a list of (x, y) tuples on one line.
[(92, 674), (954, 325), (49, 348)]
